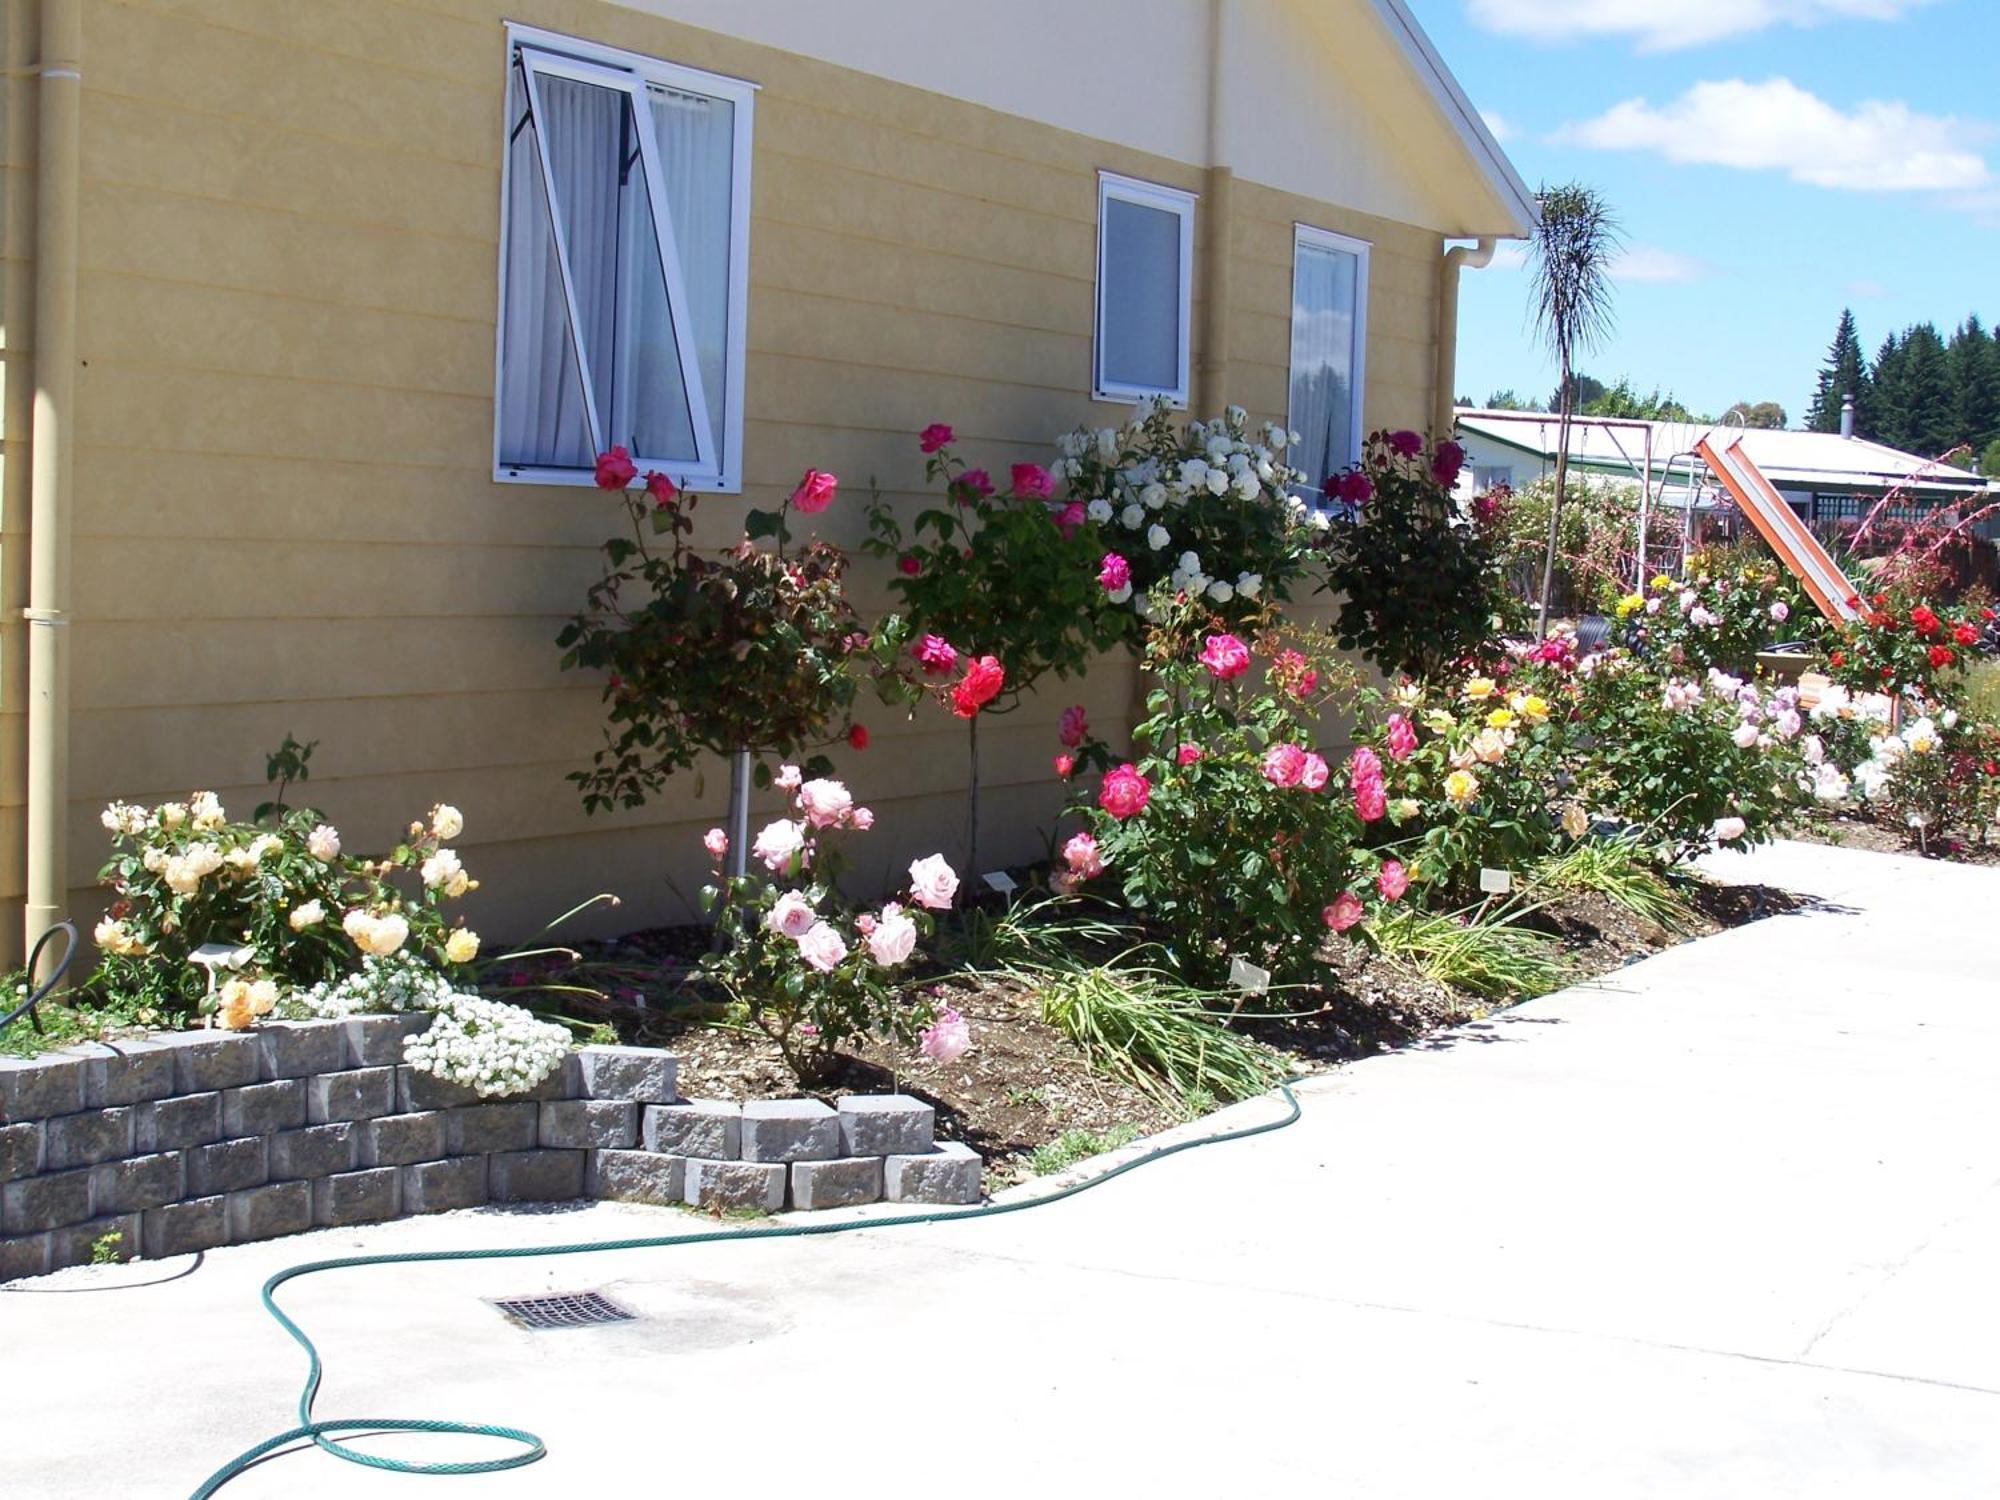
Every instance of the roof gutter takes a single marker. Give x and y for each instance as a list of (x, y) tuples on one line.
[(1469, 257), (59, 89)]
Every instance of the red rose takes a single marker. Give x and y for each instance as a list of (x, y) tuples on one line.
[(1964, 634), (1837, 659), (815, 492), (1033, 482), (1925, 621), (934, 437), (908, 565), (981, 683), (857, 736), (1446, 462), (615, 469), (1352, 488), (1941, 657)]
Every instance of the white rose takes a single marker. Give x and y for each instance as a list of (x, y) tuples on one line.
[(1157, 538), (1190, 562), (323, 843), (441, 869), (1099, 510), (309, 915), (1133, 517), (1221, 592), (1218, 482), (447, 822), (1153, 496), (1250, 585)]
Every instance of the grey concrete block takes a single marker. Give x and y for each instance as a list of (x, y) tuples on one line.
[(709, 1128), (564, 1082), (24, 1255), (34, 1088), (636, 1177), (177, 1123), (399, 1140), (134, 1072), (950, 1173), (356, 1094), (227, 1167), (50, 1201), (123, 1187), (534, 1176), (736, 1184), (82, 1140), (262, 1213), (205, 1060), (598, 1124), (377, 1041), (475, 1129), (77, 1244), (885, 1125), (644, 1075), (316, 1151), (185, 1227), (356, 1197), (295, 1049), (264, 1108), (20, 1150), (789, 1130), (839, 1183), (417, 1091), (432, 1187)]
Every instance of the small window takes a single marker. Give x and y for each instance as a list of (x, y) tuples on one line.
[(624, 260), (1329, 341), (1145, 278)]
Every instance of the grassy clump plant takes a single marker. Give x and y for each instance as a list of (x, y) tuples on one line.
[(1073, 1146), (1619, 870), (1486, 952)]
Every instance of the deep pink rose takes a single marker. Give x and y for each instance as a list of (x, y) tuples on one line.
[(1364, 766), (1352, 488), (1225, 657), (1113, 573), (1446, 462), (1402, 738), (1124, 791), (1069, 518), (935, 436), (1033, 482), (1370, 801), (615, 469), (936, 655), (975, 484), (1343, 912), (1406, 443), (1392, 880), (815, 492), (908, 565), (1188, 754), (1074, 725), (1315, 772), (1065, 764), (1284, 764)]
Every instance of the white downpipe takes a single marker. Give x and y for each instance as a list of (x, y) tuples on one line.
[(1474, 257)]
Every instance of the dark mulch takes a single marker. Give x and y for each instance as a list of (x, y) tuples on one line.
[(1848, 832)]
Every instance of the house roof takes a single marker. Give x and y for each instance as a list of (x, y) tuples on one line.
[(1789, 459)]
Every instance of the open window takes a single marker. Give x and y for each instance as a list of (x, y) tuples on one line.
[(623, 263), (1329, 347), (1145, 281)]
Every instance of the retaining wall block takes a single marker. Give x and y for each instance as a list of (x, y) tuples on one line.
[(263, 1213), (366, 1197), (399, 1140), (885, 1125), (606, 1124), (20, 1150), (121, 1187), (34, 1088), (636, 1177), (296, 1049), (431, 1187), (51, 1201), (564, 1082), (950, 1173), (534, 1176), (476, 1129), (83, 1140), (418, 1091), (377, 1041), (356, 1094), (178, 1123), (185, 1227), (264, 1108), (788, 1130), (206, 1060), (76, 1245), (644, 1075), (315, 1151), (24, 1255), (736, 1184), (228, 1166), (708, 1128), (134, 1072), (840, 1183)]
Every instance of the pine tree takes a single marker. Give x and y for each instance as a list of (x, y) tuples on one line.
[(1929, 407), (1844, 374), (1975, 384), (1881, 412)]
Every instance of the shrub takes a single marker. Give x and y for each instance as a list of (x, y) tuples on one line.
[(1933, 777), (1596, 548), (1906, 647), (1714, 621)]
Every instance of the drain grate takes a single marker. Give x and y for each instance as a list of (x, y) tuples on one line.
[(563, 1310)]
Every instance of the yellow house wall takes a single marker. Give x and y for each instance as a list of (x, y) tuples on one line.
[(285, 519)]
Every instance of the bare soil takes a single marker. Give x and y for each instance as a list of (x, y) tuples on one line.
[(1847, 832)]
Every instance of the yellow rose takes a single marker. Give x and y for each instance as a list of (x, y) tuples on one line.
[(462, 947), (1500, 718), (1631, 603), (1437, 721), (1461, 787), (1576, 823), (1661, 581), (1534, 709), (235, 1010), (1479, 687)]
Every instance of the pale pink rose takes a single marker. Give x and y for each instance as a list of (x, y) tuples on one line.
[(947, 1038), (1728, 830), (1315, 772), (863, 819), (1343, 912), (779, 844), (716, 842), (894, 937), (792, 914), (1392, 880), (821, 946), (787, 779), (933, 883), (825, 803), (1284, 764), (1081, 854)]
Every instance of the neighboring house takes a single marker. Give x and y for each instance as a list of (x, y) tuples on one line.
[(303, 383)]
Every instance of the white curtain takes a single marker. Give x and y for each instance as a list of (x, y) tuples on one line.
[(696, 136), (1140, 332), (1324, 286)]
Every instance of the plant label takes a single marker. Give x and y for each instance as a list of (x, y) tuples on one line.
[(1496, 882), (1248, 978), (1000, 881)]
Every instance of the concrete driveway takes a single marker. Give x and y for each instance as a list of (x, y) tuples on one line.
[(1725, 1224)]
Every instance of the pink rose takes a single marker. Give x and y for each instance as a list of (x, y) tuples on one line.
[(934, 437), (1225, 657), (1370, 801), (1065, 764), (933, 883), (1069, 518), (1082, 856), (1392, 880), (1364, 766), (779, 844), (909, 565), (1406, 444), (1033, 482), (1343, 912), (1314, 774), (1284, 764), (615, 469), (716, 842), (1113, 573), (1351, 488), (1446, 462), (947, 1038), (984, 677), (787, 779), (791, 914), (815, 492), (975, 483), (825, 803), (863, 819), (1188, 754), (821, 946), (1124, 791), (661, 489), (936, 655), (1402, 738), (1075, 726), (892, 939)]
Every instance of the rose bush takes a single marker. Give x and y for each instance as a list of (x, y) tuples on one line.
[(1719, 621)]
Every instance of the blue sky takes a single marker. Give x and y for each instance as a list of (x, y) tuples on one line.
[(1770, 161)]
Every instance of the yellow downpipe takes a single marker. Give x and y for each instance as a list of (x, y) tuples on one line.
[(59, 105), (1470, 257)]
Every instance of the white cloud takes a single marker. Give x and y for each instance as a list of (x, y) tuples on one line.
[(1499, 125), (1662, 25), (1880, 145), (1651, 263)]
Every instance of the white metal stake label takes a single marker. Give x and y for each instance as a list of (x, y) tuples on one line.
[(1000, 881), (1248, 978), (1496, 882)]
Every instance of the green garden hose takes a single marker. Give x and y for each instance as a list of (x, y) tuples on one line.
[(532, 1447)]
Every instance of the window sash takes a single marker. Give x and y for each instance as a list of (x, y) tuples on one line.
[(1111, 188), (1308, 239)]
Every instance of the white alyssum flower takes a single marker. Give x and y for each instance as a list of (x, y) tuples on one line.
[(380, 986), (492, 1048)]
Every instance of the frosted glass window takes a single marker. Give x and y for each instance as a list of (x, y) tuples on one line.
[(1145, 251), (1329, 338)]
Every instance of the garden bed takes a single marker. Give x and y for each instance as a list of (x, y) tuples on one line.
[(1848, 832)]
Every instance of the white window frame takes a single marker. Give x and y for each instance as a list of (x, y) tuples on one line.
[(1327, 239), (551, 53), (1112, 186)]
